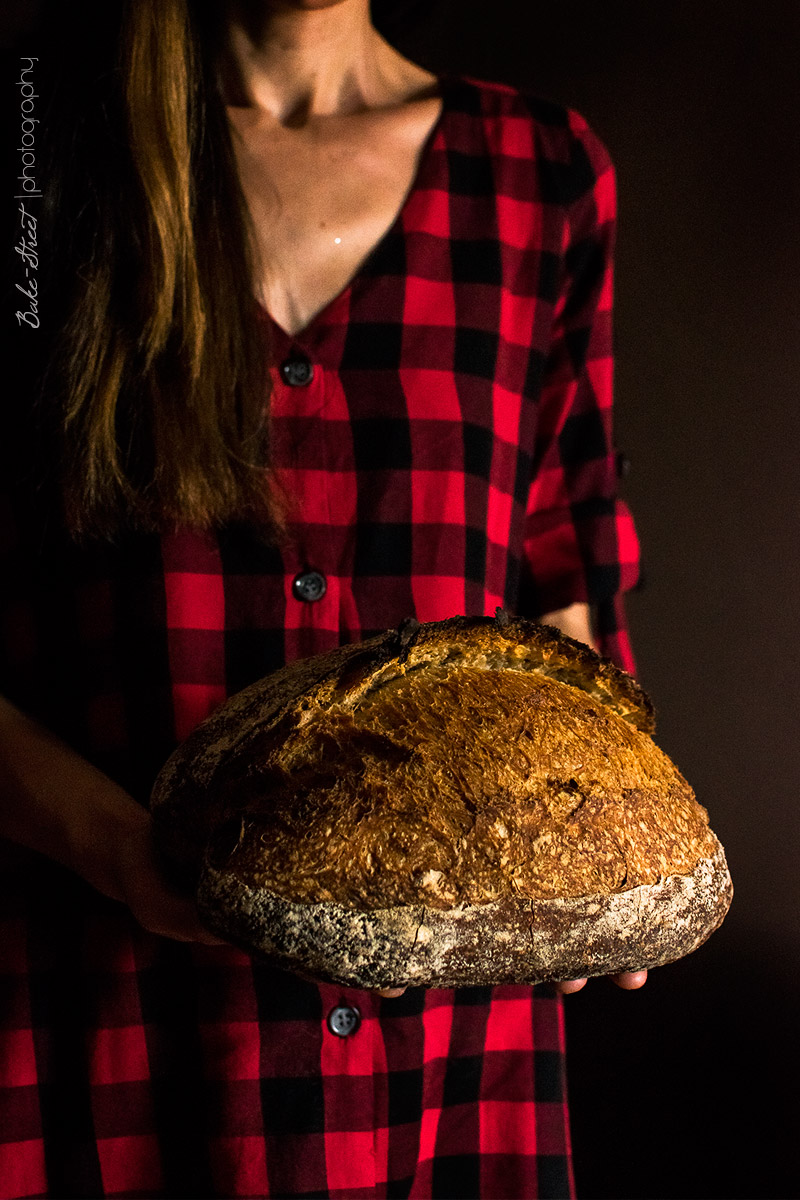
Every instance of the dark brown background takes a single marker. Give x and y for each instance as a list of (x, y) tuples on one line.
[(690, 1087)]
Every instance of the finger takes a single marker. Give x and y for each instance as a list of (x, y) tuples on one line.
[(567, 986), (176, 917), (209, 939), (188, 926), (631, 980), (189, 932)]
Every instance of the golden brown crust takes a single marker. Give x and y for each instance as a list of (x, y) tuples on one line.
[(183, 799), (457, 785), (471, 766)]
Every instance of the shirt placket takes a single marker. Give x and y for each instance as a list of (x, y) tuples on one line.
[(351, 1050), (311, 576)]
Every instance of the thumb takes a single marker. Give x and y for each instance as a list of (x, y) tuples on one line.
[(156, 904)]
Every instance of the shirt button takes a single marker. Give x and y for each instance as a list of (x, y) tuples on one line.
[(309, 586), (297, 370), (344, 1020)]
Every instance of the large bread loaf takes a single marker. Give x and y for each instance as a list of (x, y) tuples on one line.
[(472, 801)]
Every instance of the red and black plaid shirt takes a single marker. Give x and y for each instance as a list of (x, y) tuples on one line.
[(445, 427)]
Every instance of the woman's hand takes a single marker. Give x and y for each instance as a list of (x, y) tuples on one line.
[(55, 802), (156, 905), (628, 980)]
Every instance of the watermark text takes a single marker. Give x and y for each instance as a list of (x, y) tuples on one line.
[(29, 189)]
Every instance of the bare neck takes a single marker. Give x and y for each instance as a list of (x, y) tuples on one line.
[(293, 63)]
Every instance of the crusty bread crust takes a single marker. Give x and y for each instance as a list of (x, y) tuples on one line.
[(507, 941), (183, 800), (467, 801)]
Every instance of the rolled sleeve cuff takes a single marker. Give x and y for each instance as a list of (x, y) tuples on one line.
[(586, 553)]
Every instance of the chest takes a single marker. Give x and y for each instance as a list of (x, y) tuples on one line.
[(322, 197)]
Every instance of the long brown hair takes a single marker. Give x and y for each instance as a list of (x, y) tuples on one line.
[(154, 402)]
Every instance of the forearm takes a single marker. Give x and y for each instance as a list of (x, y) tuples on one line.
[(55, 802), (575, 621)]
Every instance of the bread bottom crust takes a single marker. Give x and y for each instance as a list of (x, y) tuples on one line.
[(505, 941)]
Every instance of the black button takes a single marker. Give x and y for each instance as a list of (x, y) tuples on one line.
[(297, 370), (623, 465), (309, 586), (344, 1020)]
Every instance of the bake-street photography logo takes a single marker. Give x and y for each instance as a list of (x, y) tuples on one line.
[(29, 191)]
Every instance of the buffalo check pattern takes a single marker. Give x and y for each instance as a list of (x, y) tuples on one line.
[(449, 451)]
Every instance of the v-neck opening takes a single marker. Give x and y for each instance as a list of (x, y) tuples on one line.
[(423, 168)]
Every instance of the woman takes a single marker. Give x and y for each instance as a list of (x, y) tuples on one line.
[(266, 208)]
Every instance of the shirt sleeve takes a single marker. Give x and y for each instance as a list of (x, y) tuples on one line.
[(580, 541)]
